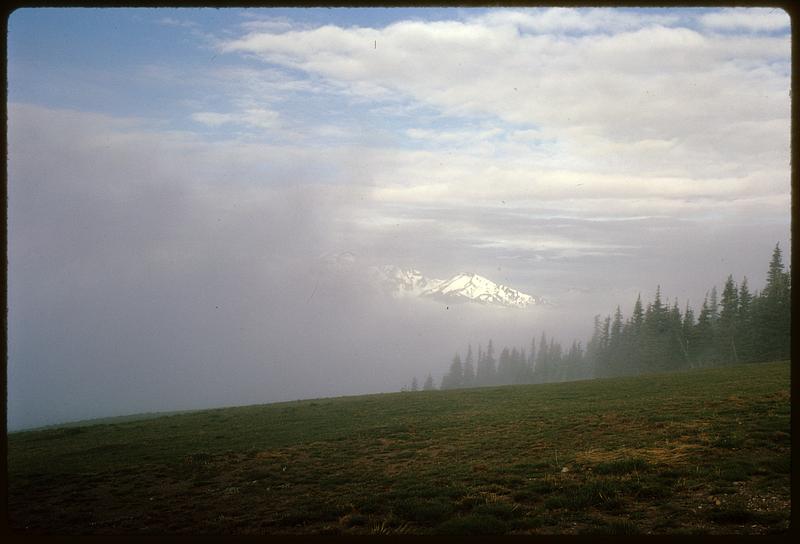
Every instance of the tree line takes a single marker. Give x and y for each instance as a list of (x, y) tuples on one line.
[(735, 327)]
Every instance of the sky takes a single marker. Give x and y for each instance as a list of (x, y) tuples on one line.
[(177, 179)]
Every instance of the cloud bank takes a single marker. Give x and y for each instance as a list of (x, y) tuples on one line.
[(172, 260)]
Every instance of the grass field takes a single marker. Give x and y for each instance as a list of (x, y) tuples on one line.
[(705, 451)]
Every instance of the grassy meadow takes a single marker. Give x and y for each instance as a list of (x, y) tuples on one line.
[(698, 452)]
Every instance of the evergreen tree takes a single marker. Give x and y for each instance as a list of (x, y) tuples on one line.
[(543, 361), (454, 379), (637, 318), (634, 335), (713, 304), (486, 372), (572, 362), (521, 370), (428, 385), (728, 323), (414, 384), (744, 331), (704, 337), (469, 368), (479, 368), (554, 359), (532, 359), (604, 355), (658, 335), (772, 313), (616, 330), (594, 351), (677, 343), (504, 371), (687, 333)]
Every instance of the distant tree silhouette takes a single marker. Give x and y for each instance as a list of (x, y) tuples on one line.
[(739, 326)]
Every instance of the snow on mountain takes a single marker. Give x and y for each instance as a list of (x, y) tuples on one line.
[(476, 288), (401, 282), (411, 283)]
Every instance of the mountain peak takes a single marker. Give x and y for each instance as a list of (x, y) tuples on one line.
[(462, 287)]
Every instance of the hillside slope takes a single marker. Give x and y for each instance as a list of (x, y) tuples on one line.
[(703, 451)]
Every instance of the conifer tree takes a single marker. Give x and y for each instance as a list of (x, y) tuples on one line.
[(518, 366), (485, 374), (554, 360), (677, 343), (543, 361), (480, 378), (687, 334), (744, 331), (455, 376), (504, 367), (469, 369), (773, 312), (491, 363), (637, 318), (713, 305), (428, 385), (616, 329), (414, 384), (704, 337), (572, 362), (604, 353), (532, 359), (594, 353), (727, 324)]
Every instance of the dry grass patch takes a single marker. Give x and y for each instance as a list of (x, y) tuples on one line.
[(671, 455)]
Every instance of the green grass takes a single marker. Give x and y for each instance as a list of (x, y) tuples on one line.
[(700, 452)]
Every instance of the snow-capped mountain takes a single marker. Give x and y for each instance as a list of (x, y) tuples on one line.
[(476, 288), (401, 282), (411, 283)]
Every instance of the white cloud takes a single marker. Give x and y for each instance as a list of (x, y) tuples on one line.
[(453, 136), (259, 118), (171, 21), (212, 119), (597, 113), (571, 20), (753, 19), (643, 82)]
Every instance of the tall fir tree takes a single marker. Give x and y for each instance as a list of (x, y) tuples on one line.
[(543, 361), (532, 359), (713, 305), (485, 373), (744, 331), (594, 351), (728, 323), (677, 343), (504, 371), (688, 335), (773, 312), (454, 378), (469, 369), (704, 337)]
